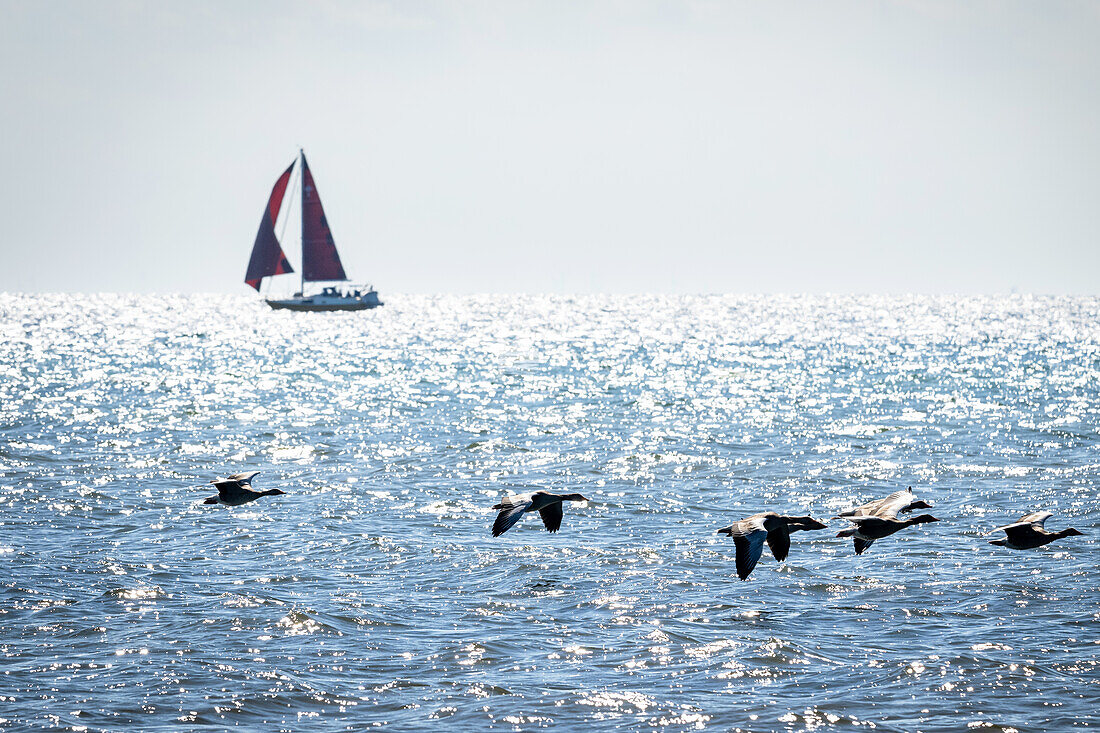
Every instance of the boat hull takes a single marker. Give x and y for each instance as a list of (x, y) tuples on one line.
[(327, 303)]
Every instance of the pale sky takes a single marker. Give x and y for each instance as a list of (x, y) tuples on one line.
[(878, 146)]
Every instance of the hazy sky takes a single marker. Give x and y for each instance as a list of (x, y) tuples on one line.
[(526, 146)]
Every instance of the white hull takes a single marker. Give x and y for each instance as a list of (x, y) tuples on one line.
[(328, 302)]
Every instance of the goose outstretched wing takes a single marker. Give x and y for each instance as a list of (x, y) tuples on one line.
[(1025, 525), (749, 548), (779, 540), (551, 516), (889, 506), (511, 509)]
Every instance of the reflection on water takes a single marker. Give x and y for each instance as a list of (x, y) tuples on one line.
[(372, 593)]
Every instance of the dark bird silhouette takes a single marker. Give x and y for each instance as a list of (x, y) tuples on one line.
[(1027, 532), (237, 489), (750, 534), (879, 518), (549, 507)]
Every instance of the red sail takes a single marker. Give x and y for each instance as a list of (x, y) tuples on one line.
[(267, 255), (319, 258)]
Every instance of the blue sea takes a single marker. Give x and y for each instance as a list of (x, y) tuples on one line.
[(372, 594)]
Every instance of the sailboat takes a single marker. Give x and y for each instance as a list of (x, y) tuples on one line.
[(320, 260)]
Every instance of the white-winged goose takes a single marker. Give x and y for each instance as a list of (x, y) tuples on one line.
[(879, 518), (1027, 532), (237, 489), (750, 534)]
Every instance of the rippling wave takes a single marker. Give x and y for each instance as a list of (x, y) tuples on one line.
[(372, 592)]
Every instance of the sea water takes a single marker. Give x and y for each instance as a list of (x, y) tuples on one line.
[(372, 593)]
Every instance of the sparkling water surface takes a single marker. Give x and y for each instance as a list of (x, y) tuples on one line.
[(373, 594)]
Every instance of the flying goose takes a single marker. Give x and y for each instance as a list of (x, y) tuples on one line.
[(549, 507), (1027, 532), (879, 518), (236, 490), (749, 536)]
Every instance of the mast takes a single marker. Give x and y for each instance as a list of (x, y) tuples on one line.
[(301, 167)]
